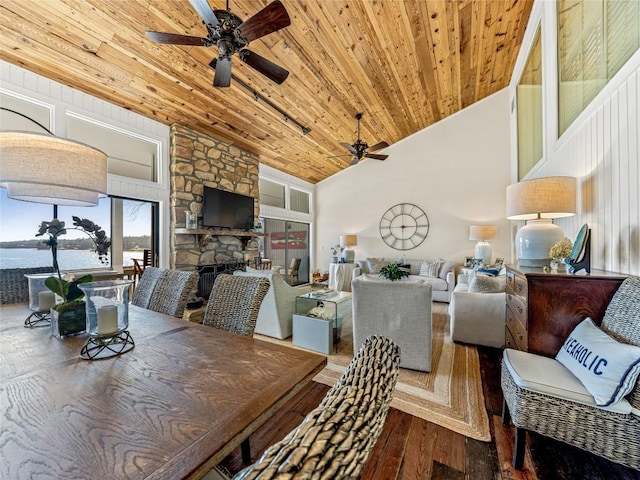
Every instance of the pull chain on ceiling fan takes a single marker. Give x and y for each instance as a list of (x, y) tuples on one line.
[(360, 149), (231, 35)]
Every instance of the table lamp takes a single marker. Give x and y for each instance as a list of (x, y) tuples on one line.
[(482, 234), (346, 241), (538, 202)]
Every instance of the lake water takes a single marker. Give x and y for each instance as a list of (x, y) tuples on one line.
[(67, 259)]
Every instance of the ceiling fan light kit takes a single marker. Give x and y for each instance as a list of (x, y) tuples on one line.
[(231, 35)]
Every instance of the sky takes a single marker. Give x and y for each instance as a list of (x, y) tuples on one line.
[(20, 220)]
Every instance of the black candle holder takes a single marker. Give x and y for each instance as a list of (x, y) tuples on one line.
[(38, 319), (106, 346)]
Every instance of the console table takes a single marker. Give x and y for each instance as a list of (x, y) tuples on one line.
[(543, 308)]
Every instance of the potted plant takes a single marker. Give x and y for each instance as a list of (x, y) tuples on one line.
[(69, 317), (393, 272)]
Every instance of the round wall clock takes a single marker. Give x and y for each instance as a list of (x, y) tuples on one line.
[(404, 226)]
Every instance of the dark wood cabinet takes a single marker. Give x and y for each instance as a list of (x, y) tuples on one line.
[(543, 308)]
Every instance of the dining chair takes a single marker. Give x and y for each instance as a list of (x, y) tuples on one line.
[(172, 291), (143, 288), (235, 302), (335, 439), (294, 268)]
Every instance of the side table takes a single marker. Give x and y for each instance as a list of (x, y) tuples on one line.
[(315, 333), (340, 276)]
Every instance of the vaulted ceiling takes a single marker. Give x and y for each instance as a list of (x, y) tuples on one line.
[(404, 63)]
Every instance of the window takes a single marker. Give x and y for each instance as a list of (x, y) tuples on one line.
[(271, 193), (128, 155), (137, 228), (299, 201), (529, 104), (595, 39)]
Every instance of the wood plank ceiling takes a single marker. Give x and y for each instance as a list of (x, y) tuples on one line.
[(405, 63)]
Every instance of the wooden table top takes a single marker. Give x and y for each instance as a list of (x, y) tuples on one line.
[(171, 408)]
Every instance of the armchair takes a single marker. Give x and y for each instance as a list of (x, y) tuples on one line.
[(275, 318), (477, 318), (397, 310), (543, 396)]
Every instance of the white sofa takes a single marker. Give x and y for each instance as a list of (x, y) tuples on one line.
[(477, 318), (442, 286), (275, 318)]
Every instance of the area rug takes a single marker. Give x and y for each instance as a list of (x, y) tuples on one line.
[(450, 395)]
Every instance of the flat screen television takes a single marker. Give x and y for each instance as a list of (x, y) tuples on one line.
[(223, 209)]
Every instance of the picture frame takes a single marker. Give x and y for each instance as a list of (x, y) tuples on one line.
[(500, 261), (477, 262), (467, 261)]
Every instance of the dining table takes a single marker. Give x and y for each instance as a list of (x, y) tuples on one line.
[(173, 407)]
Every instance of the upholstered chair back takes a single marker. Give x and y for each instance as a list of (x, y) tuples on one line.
[(235, 302), (172, 291), (144, 287), (334, 440)]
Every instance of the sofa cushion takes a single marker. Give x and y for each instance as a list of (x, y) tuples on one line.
[(485, 284), (375, 264), (607, 368), (549, 377), (445, 268), (429, 269)]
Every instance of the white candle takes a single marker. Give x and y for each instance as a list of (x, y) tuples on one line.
[(107, 319), (46, 300)]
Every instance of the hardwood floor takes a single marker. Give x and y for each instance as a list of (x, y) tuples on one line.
[(410, 448)]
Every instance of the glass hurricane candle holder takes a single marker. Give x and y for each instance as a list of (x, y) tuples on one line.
[(107, 304)]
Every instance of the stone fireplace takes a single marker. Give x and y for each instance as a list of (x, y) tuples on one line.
[(197, 160)]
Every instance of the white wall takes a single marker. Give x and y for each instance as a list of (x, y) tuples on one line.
[(601, 149), (456, 171)]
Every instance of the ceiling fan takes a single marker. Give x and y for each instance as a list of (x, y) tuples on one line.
[(360, 149), (230, 35)]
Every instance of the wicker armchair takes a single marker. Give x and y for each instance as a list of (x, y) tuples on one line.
[(334, 440), (172, 291), (235, 302), (611, 434)]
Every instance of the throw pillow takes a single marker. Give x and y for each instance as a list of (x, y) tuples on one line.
[(429, 269), (608, 369), (445, 267), (375, 264), (492, 272), (484, 284)]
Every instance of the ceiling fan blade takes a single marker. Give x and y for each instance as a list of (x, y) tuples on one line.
[(376, 157), (222, 67), (271, 18), (176, 39), (338, 156), (349, 147), (264, 66), (379, 146), (354, 161), (205, 12)]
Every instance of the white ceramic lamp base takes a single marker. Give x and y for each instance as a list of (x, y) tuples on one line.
[(483, 250), (348, 255), (534, 240)]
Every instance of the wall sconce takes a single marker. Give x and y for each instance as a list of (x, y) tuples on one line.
[(43, 168), (346, 241), (482, 234), (538, 202)]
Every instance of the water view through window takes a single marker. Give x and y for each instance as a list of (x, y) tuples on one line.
[(19, 223)]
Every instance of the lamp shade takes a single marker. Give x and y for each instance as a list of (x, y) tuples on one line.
[(44, 168), (482, 232), (539, 201), (548, 197), (348, 240)]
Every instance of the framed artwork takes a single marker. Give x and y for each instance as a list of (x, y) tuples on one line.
[(468, 261)]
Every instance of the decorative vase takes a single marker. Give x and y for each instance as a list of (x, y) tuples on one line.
[(68, 319), (334, 259)]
